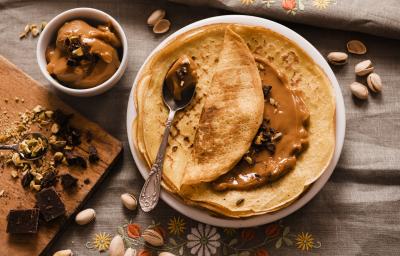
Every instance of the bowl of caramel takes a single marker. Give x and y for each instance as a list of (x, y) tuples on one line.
[(83, 52)]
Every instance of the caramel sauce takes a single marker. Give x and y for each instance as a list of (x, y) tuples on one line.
[(102, 45), (290, 117), (181, 76)]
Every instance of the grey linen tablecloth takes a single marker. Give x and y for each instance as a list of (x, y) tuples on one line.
[(356, 213), (369, 16)]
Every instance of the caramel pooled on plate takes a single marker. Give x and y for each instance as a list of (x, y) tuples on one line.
[(83, 56)]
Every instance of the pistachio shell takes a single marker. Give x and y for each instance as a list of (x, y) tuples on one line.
[(166, 254), (374, 82), (130, 252), (155, 16), (359, 90), (363, 68), (153, 237), (117, 247), (356, 47), (85, 217), (337, 58), (64, 253), (129, 201), (161, 26)]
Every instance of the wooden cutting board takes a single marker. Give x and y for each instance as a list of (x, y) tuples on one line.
[(15, 83)]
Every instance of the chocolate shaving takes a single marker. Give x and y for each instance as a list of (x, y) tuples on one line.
[(74, 160), (49, 179), (68, 181), (93, 154)]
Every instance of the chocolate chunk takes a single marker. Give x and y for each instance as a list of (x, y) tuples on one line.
[(68, 181), (49, 179), (266, 90), (61, 118), (93, 155), (270, 147), (50, 204), (23, 221), (74, 160), (89, 136), (86, 181), (26, 179)]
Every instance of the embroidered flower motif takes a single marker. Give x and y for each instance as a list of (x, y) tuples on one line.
[(322, 4), (102, 241), (247, 2), (272, 230), (229, 231), (248, 234), (289, 6), (268, 3), (133, 230), (304, 241), (262, 252), (176, 226), (203, 240)]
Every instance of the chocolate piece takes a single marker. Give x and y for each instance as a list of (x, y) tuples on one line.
[(49, 179), (75, 160), (23, 221), (93, 154), (50, 204), (26, 179), (68, 181), (89, 136), (86, 181)]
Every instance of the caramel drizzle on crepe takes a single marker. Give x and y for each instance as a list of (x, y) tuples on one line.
[(231, 116)]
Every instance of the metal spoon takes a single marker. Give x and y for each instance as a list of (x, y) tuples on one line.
[(16, 147), (150, 193)]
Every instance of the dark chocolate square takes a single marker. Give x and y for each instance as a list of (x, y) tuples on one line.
[(50, 204), (23, 221)]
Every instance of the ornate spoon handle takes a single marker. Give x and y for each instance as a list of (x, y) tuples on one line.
[(151, 189)]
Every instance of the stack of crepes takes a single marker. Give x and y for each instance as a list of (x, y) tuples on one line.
[(213, 133)]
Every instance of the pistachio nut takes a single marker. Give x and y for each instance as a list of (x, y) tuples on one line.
[(129, 201), (337, 58), (359, 90), (161, 26), (85, 217), (166, 254), (374, 82), (130, 252), (153, 237), (55, 128), (64, 253), (356, 47), (363, 68), (155, 16), (117, 247)]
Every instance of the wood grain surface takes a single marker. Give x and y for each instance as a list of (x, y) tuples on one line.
[(14, 83)]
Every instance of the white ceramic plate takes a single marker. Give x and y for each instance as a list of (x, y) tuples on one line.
[(204, 216)]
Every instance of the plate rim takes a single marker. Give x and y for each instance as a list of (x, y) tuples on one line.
[(202, 215)]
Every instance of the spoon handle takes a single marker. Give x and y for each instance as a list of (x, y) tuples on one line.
[(9, 147), (151, 189)]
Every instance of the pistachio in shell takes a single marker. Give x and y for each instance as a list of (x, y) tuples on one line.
[(356, 47), (363, 68), (374, 82), (155, 17), (337, 58), (85, 217), (359, 90), (161, 26)]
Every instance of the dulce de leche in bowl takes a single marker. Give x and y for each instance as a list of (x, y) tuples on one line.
[(84, 56)]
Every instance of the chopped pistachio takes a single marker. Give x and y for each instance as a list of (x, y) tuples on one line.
[(38, 109), (55, 128), (58, 156), (14, 174), (249, 160)]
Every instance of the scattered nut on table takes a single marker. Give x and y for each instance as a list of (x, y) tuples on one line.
[(153, 237), (337, 58), (129, 201), (155, 17), (363, 68), (130, 252), (359, 90), (356, 47), (374, 82), (161, 26), (117, 247), (85, 217), (64, 253), (166, 254)]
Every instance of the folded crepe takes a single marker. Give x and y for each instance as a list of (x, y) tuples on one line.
[(232, 114), (205, 45)]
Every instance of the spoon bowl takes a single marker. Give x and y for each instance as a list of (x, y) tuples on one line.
[(33, 135), (173, 104)]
